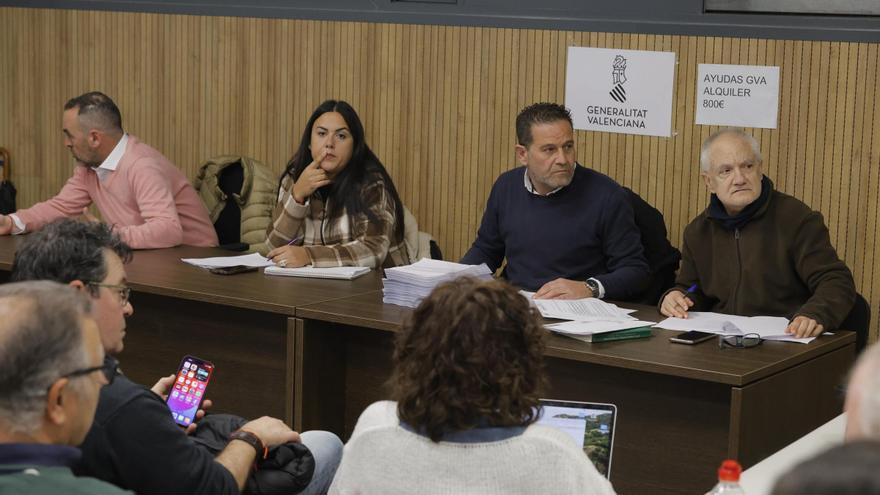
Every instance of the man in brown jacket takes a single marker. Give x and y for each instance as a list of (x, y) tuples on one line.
[(757, 251)]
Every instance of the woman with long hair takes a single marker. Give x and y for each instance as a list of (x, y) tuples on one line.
[(337, 205), (468, 373)]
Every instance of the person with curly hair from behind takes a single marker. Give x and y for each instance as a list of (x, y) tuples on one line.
[(468, 373)]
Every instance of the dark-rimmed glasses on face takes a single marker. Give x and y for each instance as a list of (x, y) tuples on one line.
[(740, 341), (124, 291), (109, 369)]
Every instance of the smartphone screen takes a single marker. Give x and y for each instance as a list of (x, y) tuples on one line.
[(189, 387)]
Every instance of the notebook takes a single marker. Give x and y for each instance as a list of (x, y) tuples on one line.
[(590, 425), (337, 272)]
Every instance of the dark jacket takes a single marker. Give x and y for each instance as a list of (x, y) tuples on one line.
[(287, 469), (134, 444), (781, 263)]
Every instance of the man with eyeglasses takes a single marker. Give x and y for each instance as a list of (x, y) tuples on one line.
[(757, 251), (134, 443), (52, 368)]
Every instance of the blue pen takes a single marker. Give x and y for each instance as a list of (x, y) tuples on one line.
[(299, 238), (692, 289)]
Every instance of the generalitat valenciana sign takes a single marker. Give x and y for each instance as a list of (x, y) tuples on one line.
[(737, 95), (625, 91)]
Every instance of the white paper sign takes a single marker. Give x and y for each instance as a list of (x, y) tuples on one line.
[(738, 95), (624, 91)]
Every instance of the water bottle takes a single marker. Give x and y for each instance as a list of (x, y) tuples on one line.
[(728, 479)]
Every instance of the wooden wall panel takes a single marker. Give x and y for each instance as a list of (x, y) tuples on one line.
[(438, 104)]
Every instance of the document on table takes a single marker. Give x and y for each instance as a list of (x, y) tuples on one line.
[(594, 327), (253, 259), (768, 327), (589, 309), (336, 272)]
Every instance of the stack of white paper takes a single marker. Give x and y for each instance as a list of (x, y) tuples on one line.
[(408, 285), (335, 272), (768, 327), (254, 259), (590, 309)]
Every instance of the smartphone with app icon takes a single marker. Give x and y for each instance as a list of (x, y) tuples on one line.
[(188, 390)]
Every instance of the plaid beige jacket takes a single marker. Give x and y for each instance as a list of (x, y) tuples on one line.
[(343, 240)]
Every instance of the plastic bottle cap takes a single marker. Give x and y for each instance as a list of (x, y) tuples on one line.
[(729, 471)]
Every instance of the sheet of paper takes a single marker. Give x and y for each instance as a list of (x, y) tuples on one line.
[(594, 327), (336, 272), (768, 327), (253, 259), (590, 309)]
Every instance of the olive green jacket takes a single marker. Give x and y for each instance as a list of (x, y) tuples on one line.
[(256, 199)]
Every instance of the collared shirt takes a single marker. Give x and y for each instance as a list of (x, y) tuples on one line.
[(103, 170), (36, 455), (112, 161), (531, 188)]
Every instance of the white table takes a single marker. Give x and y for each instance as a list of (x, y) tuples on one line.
[(760, 478)]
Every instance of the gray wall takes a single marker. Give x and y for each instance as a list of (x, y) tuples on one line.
[(685, 17)]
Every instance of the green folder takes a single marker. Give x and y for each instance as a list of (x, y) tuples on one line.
[(629, 333)]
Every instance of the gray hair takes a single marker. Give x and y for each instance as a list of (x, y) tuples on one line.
[(68, 250), (40, 341), (868, 368), (704, 149)]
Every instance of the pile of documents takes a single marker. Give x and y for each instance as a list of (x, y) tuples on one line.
[(254, 259), (408, 285), (590, 320), (768, 327)]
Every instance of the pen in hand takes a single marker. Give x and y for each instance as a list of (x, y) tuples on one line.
[(299, 238)]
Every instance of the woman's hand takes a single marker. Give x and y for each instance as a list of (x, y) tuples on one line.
[(289, 256), (311, 178)]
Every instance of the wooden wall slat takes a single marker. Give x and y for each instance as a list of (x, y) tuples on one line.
[(438, 104)]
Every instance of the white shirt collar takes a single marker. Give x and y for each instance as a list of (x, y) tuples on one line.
[(530, 188), (112, 161)]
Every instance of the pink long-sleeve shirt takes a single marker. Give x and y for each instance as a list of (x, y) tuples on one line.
[(150, 203)]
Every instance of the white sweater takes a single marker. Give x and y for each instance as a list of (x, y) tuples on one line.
[(383, 458)]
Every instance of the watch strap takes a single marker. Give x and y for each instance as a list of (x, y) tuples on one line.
[(252, 440)]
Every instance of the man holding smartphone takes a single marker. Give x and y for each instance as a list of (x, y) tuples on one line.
[(134, 443)]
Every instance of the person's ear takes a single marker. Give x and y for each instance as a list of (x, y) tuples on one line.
[(708, 181), (94, 137), (77, 284), (521, 154), (55, 412)]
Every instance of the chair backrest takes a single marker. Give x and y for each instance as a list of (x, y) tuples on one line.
[(662, 257), (419, 244), (859, 321)]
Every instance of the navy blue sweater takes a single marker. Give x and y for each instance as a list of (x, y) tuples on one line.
[(584, 230)]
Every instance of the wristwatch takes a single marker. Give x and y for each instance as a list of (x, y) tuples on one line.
[(594, 287), (252, 440)]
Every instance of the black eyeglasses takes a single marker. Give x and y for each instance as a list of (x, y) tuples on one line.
[(740, 341), (123, 290), (109, 369)]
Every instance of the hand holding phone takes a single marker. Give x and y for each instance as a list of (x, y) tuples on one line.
[(692, 337), (188, 390)]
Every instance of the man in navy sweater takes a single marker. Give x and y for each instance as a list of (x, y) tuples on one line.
[(567, 231)]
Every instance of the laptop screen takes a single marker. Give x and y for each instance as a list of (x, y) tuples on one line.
[(590, 425)]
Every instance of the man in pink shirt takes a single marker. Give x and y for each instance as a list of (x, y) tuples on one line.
[(146, 199)]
